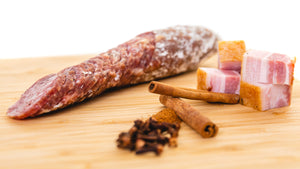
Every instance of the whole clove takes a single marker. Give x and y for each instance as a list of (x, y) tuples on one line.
[(156, 148), (149, 136)]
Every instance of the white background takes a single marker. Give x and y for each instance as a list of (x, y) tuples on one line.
[(59, 27)]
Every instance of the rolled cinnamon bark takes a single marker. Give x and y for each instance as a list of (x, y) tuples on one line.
[(191, 116), (165, 89)]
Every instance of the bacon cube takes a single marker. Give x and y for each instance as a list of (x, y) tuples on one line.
[(267, 67), (265, 96), (266, 80), (230, 54), (219, 81)]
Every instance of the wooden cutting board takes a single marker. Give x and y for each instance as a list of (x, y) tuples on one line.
[(83, 136)]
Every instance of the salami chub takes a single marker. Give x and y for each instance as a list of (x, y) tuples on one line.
[(148, 56)]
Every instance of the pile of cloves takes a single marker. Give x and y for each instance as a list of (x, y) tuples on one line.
[(149, 136)]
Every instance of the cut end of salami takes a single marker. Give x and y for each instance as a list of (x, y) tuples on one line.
[(149, 56), (32, 101)]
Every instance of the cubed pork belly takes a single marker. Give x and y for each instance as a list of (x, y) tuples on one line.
[(267, 67), (230, 54), (219, 81), (266, 80), (265, 96)]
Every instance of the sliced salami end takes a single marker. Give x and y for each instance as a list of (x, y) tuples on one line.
[(32, 101)]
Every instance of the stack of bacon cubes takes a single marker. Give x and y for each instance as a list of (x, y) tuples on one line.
[(266, 78)]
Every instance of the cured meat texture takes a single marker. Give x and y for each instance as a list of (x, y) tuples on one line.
[(270, 68), (219, 81), (266, 80), (148, 56), (226, 79), (265, 96), (230, 54)]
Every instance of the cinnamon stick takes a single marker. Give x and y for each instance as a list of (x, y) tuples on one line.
[(191, 116), (165, 89)]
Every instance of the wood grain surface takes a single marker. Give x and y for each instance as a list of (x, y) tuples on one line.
[(84, 135)]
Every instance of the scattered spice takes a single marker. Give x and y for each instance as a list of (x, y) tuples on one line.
[(167, 115), (165, 89), (190, 116), (149, 136)]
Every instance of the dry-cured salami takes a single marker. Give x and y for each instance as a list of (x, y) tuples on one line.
[(148, 56)]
